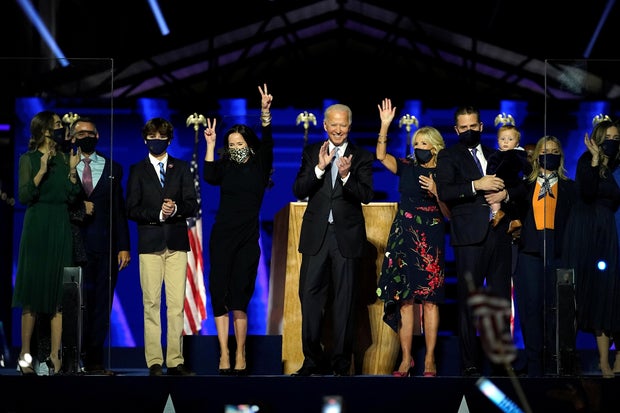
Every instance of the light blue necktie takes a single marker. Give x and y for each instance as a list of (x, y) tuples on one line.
[(334, 167), (334, 175), (162, 174)]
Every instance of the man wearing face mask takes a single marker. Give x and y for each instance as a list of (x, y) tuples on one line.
[(482, 252), (591, 238), (104, 232), (160, 197)]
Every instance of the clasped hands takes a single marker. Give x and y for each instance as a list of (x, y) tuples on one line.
[(167, 208), (325, 157)]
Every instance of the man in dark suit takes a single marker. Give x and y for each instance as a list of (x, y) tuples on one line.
[(332, 239), (104, 233), (160, 197), (482, 252)]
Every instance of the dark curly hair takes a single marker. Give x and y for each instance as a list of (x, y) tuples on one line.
[(248, 135)]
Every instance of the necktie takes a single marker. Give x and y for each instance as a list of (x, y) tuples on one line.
[(87, 176), (334, 171), (334, 167), (162, 174), (473, 152)]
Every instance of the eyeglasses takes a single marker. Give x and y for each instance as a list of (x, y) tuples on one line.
[(85, 133)]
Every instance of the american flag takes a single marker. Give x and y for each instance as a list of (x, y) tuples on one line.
[(195, 297)]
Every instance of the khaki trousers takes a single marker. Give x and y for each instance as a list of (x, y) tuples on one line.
[(166, 269)]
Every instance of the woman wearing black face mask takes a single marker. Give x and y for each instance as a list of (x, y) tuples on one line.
[(413, 267), (550, 197), (47, 185), (593, 240)]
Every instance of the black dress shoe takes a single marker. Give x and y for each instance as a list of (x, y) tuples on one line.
[(240, 372), (179, 370), (225, 372), (471, 372), (305, 371), (342, 373), (156, 370)]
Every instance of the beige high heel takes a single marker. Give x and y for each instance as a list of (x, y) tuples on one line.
[(607, 371)]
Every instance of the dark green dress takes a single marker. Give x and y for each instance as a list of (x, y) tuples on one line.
[(46, 244)]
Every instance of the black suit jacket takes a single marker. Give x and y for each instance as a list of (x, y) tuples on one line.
[(531, 240), (469, 220), (145, 197), (344, 200), (110, 216)]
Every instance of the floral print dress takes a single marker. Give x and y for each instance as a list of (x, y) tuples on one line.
[(414, 262)]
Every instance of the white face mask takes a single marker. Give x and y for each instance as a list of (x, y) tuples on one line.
[(239, 154)]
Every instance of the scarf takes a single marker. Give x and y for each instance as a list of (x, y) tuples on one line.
[(546, 182)]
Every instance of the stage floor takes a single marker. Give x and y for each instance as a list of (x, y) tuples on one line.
[(132, 390)]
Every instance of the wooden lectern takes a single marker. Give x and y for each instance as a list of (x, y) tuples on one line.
[(377, 345)]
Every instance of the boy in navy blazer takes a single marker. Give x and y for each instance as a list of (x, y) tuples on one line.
[(160, 197)]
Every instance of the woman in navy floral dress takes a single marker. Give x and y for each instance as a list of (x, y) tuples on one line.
[(413, 267)]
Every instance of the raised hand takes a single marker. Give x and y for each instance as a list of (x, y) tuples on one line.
[(386, 111), (266, 98), (209, 131), (592, 146), (75, 157)]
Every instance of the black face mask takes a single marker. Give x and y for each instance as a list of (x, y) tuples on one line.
[(157, 146), (58, 136), (470, 138), (423, 155), (610, 147), (550, 161), (87, 144)]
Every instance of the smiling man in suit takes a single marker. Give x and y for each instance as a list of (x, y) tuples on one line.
[(160, 197), (336, 177)]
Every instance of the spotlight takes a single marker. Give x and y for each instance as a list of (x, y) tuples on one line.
[(601, 265)]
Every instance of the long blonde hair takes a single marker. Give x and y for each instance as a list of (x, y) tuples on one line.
[(540, 145)]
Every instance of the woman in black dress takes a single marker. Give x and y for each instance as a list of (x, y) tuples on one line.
[(243, 174), (592, 246), (413, 267)]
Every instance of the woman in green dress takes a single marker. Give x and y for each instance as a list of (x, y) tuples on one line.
[(48, 183)]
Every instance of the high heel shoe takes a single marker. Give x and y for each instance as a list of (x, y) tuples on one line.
[(430, 371), (240, 372), (407, 373), (240, 361), (224, 371), (24, 365), (51, 368), (606, 371)]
